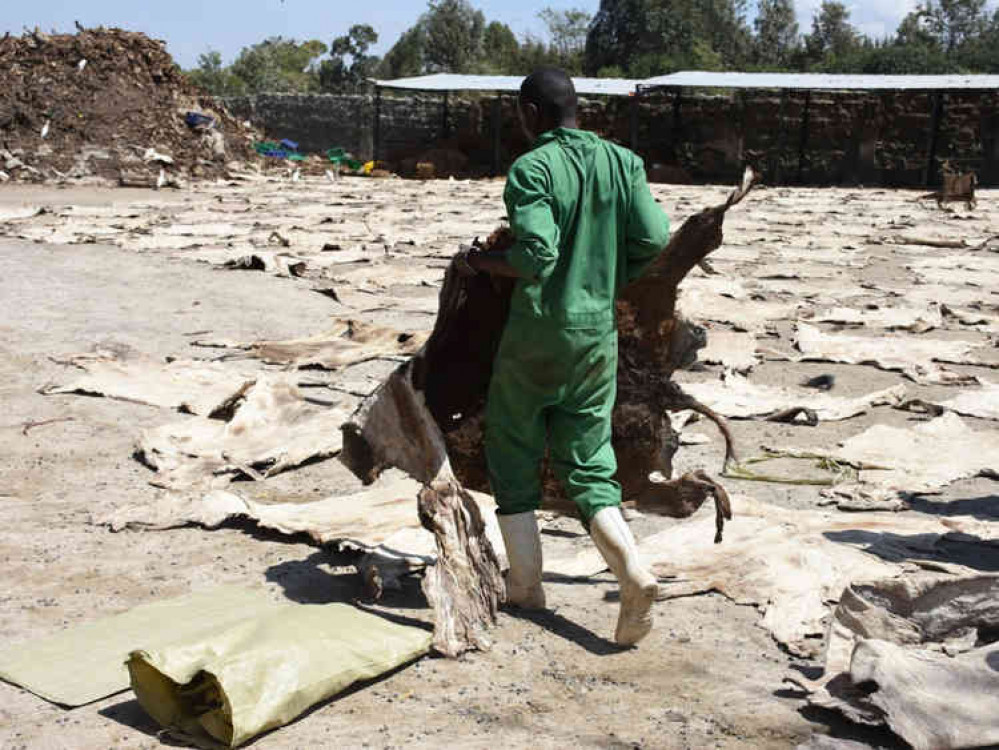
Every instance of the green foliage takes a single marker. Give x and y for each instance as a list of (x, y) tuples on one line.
[(455, 34), (213, 77), (777, 39), (501, 50), (833, 37), (626, 38), (667, 35), (279, 65), (350, 66), (406, 57), (567, 31)]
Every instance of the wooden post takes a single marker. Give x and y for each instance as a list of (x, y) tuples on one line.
[(633, 122), (445, 132), (497, 114), (677, 124), (378, 123), (781, 138), (803, 140), (935, 116)]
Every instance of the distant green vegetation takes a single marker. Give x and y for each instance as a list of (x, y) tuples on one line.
[(626, 38)]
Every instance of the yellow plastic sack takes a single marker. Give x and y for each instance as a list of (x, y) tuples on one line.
[(86, 662), (262, 673)]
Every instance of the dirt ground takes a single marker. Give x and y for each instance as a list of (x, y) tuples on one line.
[(110, 271)]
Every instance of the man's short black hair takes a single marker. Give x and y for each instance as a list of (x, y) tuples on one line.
[(552, 91)]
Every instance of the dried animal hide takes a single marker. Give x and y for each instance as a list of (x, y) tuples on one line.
[(732, 350), (205, 388), (956, 187), (737, 398), (272, 430), (426, 419), (924, 458), (918, 654), (912, 319), (976, 402), (348, 342), (791, 563), (916, 358)]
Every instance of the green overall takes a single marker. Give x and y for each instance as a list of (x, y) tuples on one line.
[(585, 224)]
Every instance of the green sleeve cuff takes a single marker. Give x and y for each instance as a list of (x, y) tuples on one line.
[(529, 264)]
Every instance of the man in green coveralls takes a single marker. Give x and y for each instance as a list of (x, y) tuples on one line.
[(585, 225)]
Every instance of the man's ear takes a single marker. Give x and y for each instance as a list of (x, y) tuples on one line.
[(532, 114)]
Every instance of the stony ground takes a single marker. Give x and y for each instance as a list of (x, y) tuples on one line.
[(79, 268)]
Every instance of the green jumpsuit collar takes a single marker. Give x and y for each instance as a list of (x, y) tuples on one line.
[(564, 135)]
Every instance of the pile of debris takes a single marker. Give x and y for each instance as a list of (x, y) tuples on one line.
[(111, 104)]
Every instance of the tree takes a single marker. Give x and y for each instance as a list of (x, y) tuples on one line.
[(337, 74), (776, 33), (406, 58), (660, 36), (567, 30), (454, 36), (501, 50), (213, 77), (833, 38), (278, 65), (946, 23)]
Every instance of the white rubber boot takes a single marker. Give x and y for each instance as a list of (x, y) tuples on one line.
[(613, 538), (523, 550)]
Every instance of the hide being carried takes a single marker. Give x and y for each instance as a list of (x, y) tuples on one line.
[(427, 420)]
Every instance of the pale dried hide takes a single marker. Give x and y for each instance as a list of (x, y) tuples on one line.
[(272, 430), (924, 458), (792, 563), (347, 343), (732, 350), (736, 397), (247, 259), (978, 402), (731, 305), (916, 357), (205, 388), (913, 319), (918, 654)]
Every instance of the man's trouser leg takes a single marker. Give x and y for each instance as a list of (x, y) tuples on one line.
[(515, 446), (583, 459)]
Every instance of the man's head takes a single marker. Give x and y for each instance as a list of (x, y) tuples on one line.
[(547, 101)]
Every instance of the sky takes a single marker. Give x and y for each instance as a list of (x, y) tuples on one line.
[(191, 27)]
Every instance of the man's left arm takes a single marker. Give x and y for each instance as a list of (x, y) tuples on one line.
[(528, 199)]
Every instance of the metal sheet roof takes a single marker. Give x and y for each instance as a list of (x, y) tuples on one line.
[(453, 82), (704, 79)]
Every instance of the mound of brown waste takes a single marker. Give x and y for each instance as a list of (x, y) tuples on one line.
[(106, 102)]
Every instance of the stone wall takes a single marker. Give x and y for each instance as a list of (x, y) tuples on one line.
[(799, 137)]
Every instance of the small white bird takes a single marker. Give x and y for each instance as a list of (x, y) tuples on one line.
[(81, 65), (297, 175), (45, 128)]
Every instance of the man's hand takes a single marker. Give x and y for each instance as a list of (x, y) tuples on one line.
[(463, 260)]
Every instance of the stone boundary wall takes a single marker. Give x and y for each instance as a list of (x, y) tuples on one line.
[(817, 138)]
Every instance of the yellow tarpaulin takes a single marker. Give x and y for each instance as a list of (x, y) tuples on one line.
[(86, 663), (229, 686)]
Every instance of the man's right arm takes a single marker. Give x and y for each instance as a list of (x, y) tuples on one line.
[(648, 226)]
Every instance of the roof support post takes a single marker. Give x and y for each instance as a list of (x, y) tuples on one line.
[(990, 143), (377, 124), (935, 116), (778, 154), (633, 122), (497, 128), (803, 138), (445, 132), (677, 124)]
